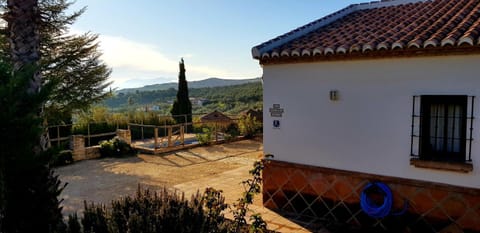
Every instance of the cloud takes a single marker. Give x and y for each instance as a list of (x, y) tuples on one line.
[(133, 60), (119, 52)]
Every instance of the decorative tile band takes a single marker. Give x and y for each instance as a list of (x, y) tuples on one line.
[(335, 195)]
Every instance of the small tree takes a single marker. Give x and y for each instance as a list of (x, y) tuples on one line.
[(182, 107), (249, 126)]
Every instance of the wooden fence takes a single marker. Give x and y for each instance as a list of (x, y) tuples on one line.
[(60, 136)]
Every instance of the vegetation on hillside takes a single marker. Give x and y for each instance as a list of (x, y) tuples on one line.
[(209, 82), (229, 99)]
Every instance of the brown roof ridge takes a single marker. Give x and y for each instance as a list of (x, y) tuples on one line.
[(258, 50)]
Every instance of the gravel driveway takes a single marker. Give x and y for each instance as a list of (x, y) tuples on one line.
[(103, 180), (223, 167)]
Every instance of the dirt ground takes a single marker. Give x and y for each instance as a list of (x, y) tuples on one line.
[(103, 180), (222, 167)]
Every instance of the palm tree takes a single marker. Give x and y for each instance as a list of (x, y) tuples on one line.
[(23, 19), (30, 188)]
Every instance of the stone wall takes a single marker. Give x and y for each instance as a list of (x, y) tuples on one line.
[(77, 145), (80, 152), (125, 135), (335, 195), (92, 152)]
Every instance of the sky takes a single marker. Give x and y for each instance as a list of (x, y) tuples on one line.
[(142, 41)]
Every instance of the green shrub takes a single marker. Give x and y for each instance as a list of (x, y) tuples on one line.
[(115, 147), (95, 219), (73, 225), (167, 211), (232, 131), (215, 205), (61, 158), (249, 126), (162, 211), (205, 138), (58, 155), (252, 187)]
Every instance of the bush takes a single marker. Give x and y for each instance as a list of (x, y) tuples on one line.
[(155, 212), (115, 148), (61, 158), (165, 211), (58, 155), (232, 132), (249, 126), (95, 219), (73, 225), (205, 138)]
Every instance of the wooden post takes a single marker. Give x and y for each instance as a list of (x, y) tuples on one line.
[(155, 135), (216, 134), (185, 120), (169, 136), (182, 134), (58, 135), (88, 133)]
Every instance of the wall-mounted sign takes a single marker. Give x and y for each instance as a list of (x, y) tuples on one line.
[(276, 111), (276, 124)]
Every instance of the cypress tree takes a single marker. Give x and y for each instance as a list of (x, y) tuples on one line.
[(182, 107)]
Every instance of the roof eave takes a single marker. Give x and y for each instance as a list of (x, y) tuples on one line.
[(259, 50), (384, 54)]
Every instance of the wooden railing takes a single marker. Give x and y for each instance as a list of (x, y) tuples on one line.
[(58, 139), (171, 136)]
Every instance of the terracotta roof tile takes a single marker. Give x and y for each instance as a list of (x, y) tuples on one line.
[(381, 26), (214, 117)]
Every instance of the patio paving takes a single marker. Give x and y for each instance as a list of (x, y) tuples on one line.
[(222, 167), (229, 183)]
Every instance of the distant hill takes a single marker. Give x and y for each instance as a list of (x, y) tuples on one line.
[(231, 99), (210, 82)]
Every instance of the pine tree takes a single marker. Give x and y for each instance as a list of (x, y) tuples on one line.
[(71, 61), (182, 107)]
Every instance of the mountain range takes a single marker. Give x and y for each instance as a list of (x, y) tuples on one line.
[(210, 82)]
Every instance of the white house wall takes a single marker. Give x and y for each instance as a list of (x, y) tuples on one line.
[(368, 129)]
